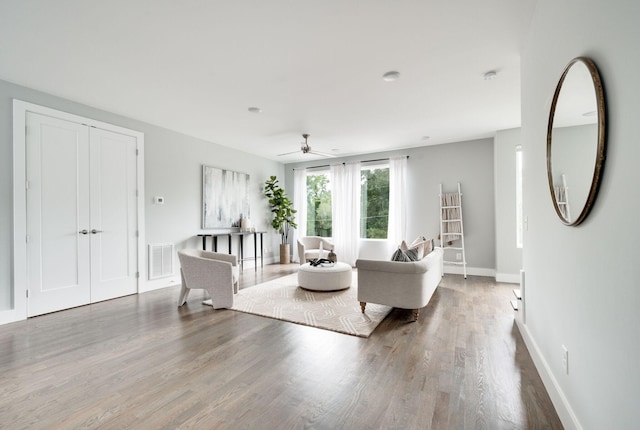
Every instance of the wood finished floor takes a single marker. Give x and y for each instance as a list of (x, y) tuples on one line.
[(140, 362)]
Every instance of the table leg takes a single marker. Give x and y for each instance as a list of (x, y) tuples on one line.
[(214, 238), (261, 252), (255, 251), (204, 243), (229, 239), (241, 237)]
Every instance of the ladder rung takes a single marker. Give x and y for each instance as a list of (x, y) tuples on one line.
[(514, 305), (457, 263), (516, 293), (449, 207), (452, 234), (458, 248), (451, 220)]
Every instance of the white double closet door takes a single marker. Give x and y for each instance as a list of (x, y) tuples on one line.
[(81, 214)]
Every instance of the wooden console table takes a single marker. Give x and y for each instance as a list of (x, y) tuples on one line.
[(241, 235)]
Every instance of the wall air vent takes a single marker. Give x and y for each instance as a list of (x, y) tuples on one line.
[(160, 260)]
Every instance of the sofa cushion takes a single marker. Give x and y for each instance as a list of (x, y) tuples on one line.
[(402, 255)]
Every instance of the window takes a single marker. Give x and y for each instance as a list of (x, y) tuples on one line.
[(519, 209), (318, 204), (374, 203)]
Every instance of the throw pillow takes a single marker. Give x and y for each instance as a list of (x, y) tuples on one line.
[(417, 247), (399, 255), (428, 247), (405, 256), (412, 254), (420, 243)]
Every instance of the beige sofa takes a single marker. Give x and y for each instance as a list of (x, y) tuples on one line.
[(406, 285)]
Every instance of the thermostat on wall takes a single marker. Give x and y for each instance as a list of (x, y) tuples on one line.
[(158, 200)]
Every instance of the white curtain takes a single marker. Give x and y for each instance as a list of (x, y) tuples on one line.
[(345, 210), (397, 230), (300, 205)]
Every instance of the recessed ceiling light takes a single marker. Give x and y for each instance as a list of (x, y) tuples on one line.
[(491, 74), (425, 138), (254, 109), (391, 76)]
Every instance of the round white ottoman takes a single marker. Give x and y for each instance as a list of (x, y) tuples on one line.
[(318, 278)]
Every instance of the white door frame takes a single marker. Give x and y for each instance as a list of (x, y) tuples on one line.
[(20, 109)]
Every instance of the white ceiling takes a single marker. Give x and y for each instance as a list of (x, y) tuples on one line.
[(312, 66)]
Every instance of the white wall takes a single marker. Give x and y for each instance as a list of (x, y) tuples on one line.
[(173, 169), (471, 164), (508, 255), (582, 282)]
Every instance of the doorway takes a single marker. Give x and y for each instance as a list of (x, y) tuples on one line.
[(83, 207)]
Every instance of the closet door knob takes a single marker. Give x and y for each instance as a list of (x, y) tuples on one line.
[(83, 231), (94, 231)]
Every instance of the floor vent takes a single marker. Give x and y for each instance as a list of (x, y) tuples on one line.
[(160, 260)]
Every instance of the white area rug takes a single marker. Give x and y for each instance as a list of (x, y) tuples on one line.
[(338, 311)]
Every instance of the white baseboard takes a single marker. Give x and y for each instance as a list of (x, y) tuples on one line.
[(559, 400), (12, 315), (508, 278), (157, 284), (474, 271)]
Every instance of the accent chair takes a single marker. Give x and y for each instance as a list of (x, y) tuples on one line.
[(214, 272), (309, 248)]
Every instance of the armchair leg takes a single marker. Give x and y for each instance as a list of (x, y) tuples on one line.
[(415, 314), (184, 293), (363, 305)]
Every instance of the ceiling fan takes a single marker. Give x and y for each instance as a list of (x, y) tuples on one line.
[(306, 149)]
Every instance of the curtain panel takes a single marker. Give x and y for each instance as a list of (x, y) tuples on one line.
[(345, 210)]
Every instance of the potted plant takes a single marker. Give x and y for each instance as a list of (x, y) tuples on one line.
[(283, 214)]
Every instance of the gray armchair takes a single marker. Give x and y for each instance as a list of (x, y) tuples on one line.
[(309, 247), (214, 272)]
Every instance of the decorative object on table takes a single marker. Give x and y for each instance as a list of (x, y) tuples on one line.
[(321, 262), (245, 224), (332, 256), (225, 196), (283, 214)]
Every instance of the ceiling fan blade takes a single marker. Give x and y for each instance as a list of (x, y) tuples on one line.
[(324, 154), (289, 153)]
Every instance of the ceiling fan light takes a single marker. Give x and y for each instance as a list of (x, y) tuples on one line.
[(490, 75), (391, 76)]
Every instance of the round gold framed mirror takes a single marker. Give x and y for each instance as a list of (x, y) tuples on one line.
[(576, 141)]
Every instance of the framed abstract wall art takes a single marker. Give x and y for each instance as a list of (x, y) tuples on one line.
[(225, 197)]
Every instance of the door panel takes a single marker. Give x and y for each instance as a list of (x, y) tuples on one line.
[(113, 215), (81, 214), (57, 209)]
